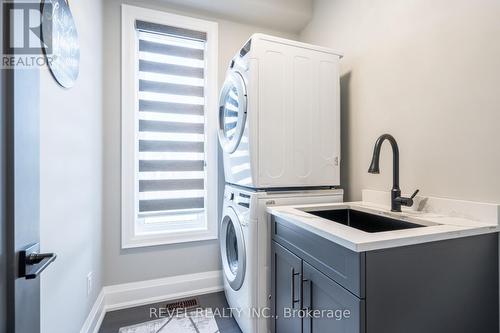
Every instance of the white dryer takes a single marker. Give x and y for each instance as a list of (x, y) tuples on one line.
[(245, 241), (279, 115)]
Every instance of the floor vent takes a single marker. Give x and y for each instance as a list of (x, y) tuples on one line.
[(183, 304)]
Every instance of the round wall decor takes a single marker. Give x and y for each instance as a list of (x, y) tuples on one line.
[(60, 37)]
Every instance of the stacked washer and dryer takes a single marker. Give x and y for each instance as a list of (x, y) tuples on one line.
[(279, 128)]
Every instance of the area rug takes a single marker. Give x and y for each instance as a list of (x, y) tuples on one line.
[(191, 322)]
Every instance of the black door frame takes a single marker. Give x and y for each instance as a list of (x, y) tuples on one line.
[(3, 220), (20, 174), (22, 195)]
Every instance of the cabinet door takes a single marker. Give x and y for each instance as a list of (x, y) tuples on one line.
[(329, 307), (286, 285)]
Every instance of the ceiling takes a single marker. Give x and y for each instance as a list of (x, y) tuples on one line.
[(284, 15)]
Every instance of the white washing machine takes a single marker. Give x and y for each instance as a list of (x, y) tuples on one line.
[(245, 241), (279, 115)]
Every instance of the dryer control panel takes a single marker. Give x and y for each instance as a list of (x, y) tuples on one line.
[(241, 199)]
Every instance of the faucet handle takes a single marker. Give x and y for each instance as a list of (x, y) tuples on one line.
[(408, 202)]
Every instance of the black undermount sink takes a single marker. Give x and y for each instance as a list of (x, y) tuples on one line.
[(364, 221)]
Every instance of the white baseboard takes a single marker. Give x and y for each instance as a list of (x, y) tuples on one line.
[(128, 295), (96, 315), (146, 292)]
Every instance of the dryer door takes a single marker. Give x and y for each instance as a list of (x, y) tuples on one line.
[(232, 246), (232, 111)]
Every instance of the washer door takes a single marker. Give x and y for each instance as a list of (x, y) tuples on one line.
[(232, 246), (232, 112)]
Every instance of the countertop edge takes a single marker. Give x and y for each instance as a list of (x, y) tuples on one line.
[(459, 232)]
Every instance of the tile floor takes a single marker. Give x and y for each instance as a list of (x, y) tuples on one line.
[(114, 320)]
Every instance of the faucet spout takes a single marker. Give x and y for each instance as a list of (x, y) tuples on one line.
[(375, 165), (396, 199)]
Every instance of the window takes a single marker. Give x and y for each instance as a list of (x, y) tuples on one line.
[(169, 128)]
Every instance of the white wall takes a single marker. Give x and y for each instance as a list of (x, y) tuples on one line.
[(71, 181), (281, 15), (427, 72), (122, 266)]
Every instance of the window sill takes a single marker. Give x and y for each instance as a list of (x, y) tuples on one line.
[(146, 240)]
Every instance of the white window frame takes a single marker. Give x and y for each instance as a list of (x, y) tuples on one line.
[(129, 190)]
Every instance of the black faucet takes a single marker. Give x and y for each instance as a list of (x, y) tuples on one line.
[(396, 199)]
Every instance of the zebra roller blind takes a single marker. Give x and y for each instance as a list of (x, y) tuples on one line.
[(171, 141)]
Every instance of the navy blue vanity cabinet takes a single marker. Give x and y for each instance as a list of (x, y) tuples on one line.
[(328, 306), (287, 269), (446, 286)]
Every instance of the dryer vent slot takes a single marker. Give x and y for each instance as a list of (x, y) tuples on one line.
[(246, 49), (244, 200)]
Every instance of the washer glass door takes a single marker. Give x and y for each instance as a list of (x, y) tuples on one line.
[(233, 249), (232, 111)]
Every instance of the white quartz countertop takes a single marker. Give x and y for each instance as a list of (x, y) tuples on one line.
[(442, 218)]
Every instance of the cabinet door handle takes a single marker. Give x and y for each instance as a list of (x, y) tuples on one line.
[(292, 292)]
